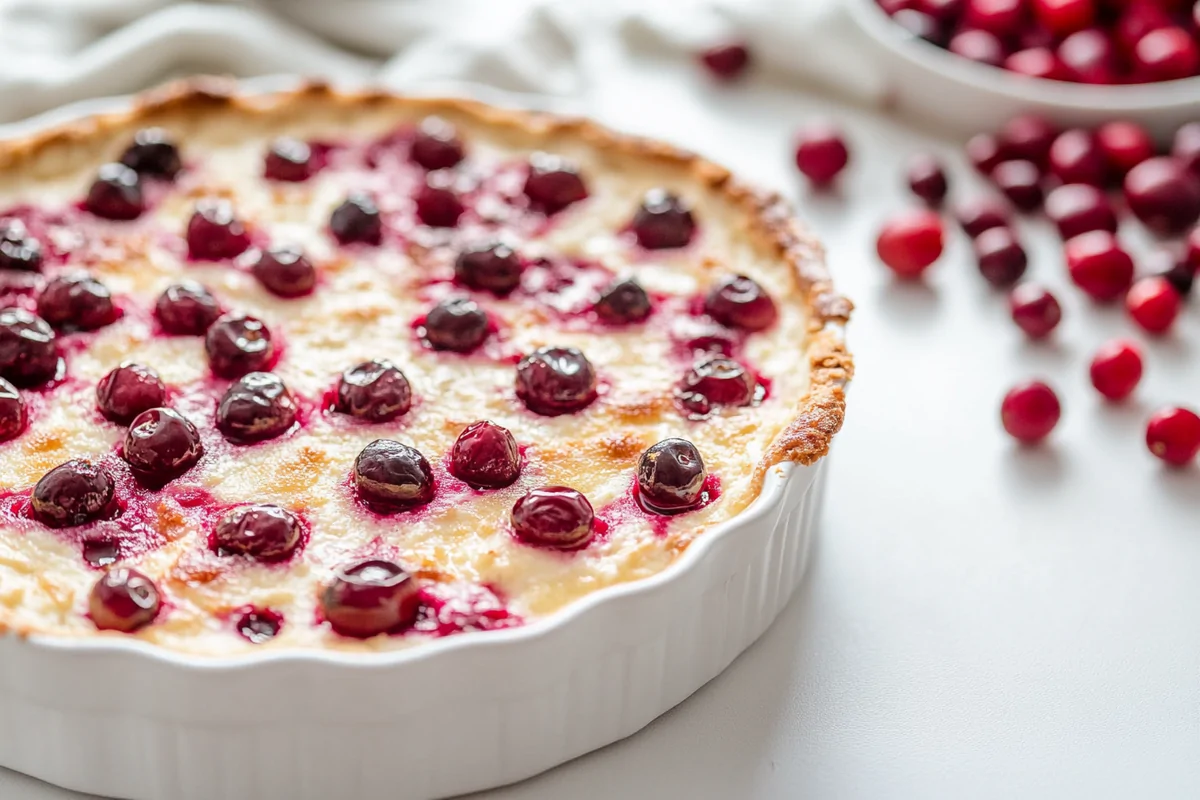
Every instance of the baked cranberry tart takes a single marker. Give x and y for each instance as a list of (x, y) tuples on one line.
[(330, 370)]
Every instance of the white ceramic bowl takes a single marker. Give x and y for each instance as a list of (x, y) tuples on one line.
[(934, 85)]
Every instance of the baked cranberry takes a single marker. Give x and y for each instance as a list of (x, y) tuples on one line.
[(1117, 369), (979, 214), (716, 382), (663, 221), (289, 160), (214, 232), (1078, 208), (623, 301), (457, 324), (1075, 157), (1036, 62), (1173, 434), (1027, 138), (1124, 146), (28, 351), (1163, 195), (1089, 57), (1000, 17), (161, 445), (556, 380), (371, 597), (374, 391), (261, 531), (436, 145), (1166, 54), (71, 494), (1035, 310), (257, 406), (153, 154), (76, 301), (390, 476), (920, 25), (437, 204), (116, 193), (485, 456), (910, 242), (237, 344), (99, 553), (821, 152), (927, 179), (285, 271), (1030, 411), (1021, 183), (1153, 303), (984, 152), (1099, 265), (726, 61), (123, 600), (129, 390), (740, 302), (1186, 147), (670, 476), (1001, 258), (554, 516), (259, 625), (13, 415), (187, 308), (980, 46), (357, 219), (492, 266), (19, 250), (553, 183)]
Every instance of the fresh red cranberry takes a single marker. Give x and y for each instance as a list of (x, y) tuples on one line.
[(237, 344), (1030, 411), (1000, 17), (1153, 303), (129, 390), (1036, 62), (71, 494), (436, 145), (357, 220), (485, 456), (1117, 369), (920, 25), (256, 407), (1063, 17), (214, 232), (980, 46), (1078, 208), (374, 391), (258, 626), (1076, 157), (371, 597), (670, 476), (116, 193), (910, 242), (1124, 145), (740, 302), (622, 302), (556, 380), (19, 250), (1027, 138), (821, 152), (289, 160), (1089, 56), (984, 152), (123, 600), (457, 324), (13, 415), (979, 214), (1137, 19), (1002, 259), (187, 308), (153, 154), (77, 302), (1186, 147), (726, 61), (1173, 434), (1099, 265), (1035, 310), (1163, 195), (1166, 54), (927, 179), (261, 531), (437, 204), (714, 383), (553, 183), (28, 350), (161, 445), (493, 266), (390, 476), (285, 271), (663, 221), (1021, 183), (554, 516)]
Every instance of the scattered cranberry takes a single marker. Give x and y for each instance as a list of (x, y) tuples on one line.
[(556, 380), (726, 61), (492, 266), (123, 600), (999, 17), (670, 476), (485, 456), (1173, 434), (1153, 303), (1186, 147), (821, 152), (436, 145), (740, 302), (214, 232), (1079, 208), (927, 179), (187, 308), (1021, 183), (1027, 138), (1030, 411), (257, 406), (716, 382), (553, 183), (663, 221), (1099, 265), (28, 350), (374, 391), (1036, 62), (18, 249), (76, 302), (910, 242), (554, 516), (980, 214), (357, 220), (13, 415), (261, 531), (285, 271), (237, 344), (161, 445), (1163, 195), (289, 160), (152, 154), (72, 494), (984, 152), (457, 324), (437, 204), (1002, 259), (1088, 56), (1117, 369), (1076, 157), (116, 193), (258, 626), (980, 46), (129, 390), (1136, 20), (371, 597), (622, 302), (1166, 54), (1035, 310), (1124, 145), (390, 476)]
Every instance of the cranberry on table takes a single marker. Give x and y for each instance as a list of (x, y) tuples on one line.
[(285, 271), (256, 407), (1099, 265), (556, 380), (19, 250), (485, 456), (1124, 146), (161, 445), (1076, 157), (670, 476), (740, 302), (153, 154), (1166, 54), (554, 516), (1163, 195), (128, 390), (492, 266), (1154, 303), (357, 220), (999, 17), (187, 308), (1035, 310), (13, 414), (391, 476), (237, 344), (623, 301), (821, 152), (1021, 183), (984, 152), (1001, 257), (979, 214), (553, 183), (1079, 208), (456, 324), (663, 221), (927, 179), (1036, 62), (1089, 56), (715, 383), (259, 625), (726, 61), (374, 391), (124, 600), (1027, 137), (1030, 412), (28, 350), (436, 145), (214, 232), (437, 204), (910, 242), (1186, 147), (262, 531), (1116, 369), (370, 597), (1173, 434), (71, 494), (980, 46), (77, 302), (289, 160), (116, 193)]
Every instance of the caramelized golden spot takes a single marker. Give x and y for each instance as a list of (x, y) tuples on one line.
[(647, 408), (63, 600), (625, 447), (171, 522), (300, 473)]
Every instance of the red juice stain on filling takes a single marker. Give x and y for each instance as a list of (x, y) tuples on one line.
[(629, 507), (450, 608)]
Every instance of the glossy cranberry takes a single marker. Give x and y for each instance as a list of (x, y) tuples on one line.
[(920, 25), (289, 160), (129, 390), (258, 626), (123, 600), (1088, 56), (553, 183), (13, 415), (1035, 310), (1153, 303), (492, 266), (390, 476), (984, 152), (1075, 157), (1000, 17), (116, 193), (261, 531), (457, 324), (670, 476), (1021, 183), (357, 219), (1027, 138), (437, 204), (285, 271), (19, 250), (980, 46), (1036, 62), (214, 232), (77, 302), (237, 344), (1116, 369), (161, 445), (436, 145), (1166, 54), (910, 242), (979, 214), (821, 152), (1163, 195), (257, 406), (1099, 265), (187, 308), (371, 597), (1124, 146), (1001, 258), (927, 179), (1030, 411), (1063, 17), (485, 456), (1173, 434), (623, 301), (72, 494), (740, 302), (1137, 19), (153, 154), (1186, 147), (554, 516), (726, 61), (716, 382), (663, 221), (1078, 208), (28, 351), (556, 380), (374, 391)]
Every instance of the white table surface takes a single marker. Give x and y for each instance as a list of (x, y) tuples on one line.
[(979, 620)]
